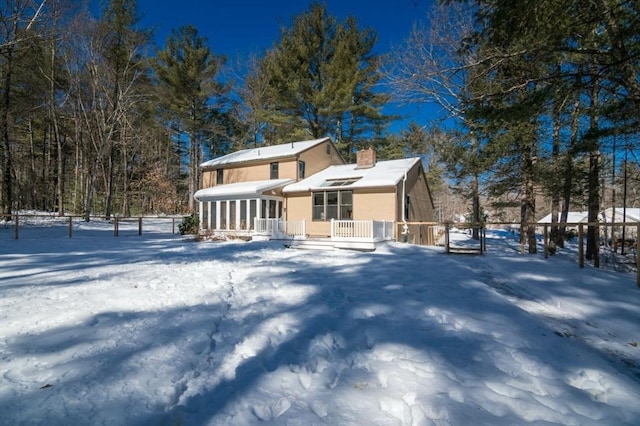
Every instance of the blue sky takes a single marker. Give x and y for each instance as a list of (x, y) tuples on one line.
[(243, 26), (237, 28)]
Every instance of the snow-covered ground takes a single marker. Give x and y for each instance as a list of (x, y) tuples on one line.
[(161, 330)]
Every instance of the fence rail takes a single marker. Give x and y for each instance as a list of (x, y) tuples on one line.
[(116, 223)]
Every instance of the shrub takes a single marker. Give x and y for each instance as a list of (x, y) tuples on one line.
[(189, 224), (570, 235)]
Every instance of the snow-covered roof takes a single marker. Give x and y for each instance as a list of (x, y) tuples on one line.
[(631, 215), (622, 215), (383, 174), (264, 153), (239, 190), (572, 217)]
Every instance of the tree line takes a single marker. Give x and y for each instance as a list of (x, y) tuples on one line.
[(95, 119), (545, 95)]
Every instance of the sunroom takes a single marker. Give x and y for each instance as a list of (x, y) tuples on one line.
[(237, 207)]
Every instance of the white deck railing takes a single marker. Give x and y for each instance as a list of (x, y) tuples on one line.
[(361, 230), (341, 230), (279, 228)]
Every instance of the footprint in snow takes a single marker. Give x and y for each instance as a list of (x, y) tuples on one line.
[(270, 412), (319, 409)]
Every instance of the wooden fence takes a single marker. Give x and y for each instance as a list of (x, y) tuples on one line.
[(438, 233), (423, 233), (116, 222)]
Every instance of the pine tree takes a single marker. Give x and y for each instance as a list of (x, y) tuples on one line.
[(589, 47), (186, 70), (322, 75)]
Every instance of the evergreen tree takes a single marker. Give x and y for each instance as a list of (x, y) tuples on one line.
[(186, 70), (322, 75), (590, 48)]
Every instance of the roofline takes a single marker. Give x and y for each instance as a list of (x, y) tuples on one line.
[(260, 160), (416, 160)]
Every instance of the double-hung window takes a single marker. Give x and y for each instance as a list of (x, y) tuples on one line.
[(329, 205), (219, 176), (274, 171)]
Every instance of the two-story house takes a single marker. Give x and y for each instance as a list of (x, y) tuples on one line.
[(308, 182), (247, 184)]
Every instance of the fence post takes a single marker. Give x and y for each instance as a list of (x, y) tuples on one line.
[(484, 239), (332, 230), (596, 259), (140, 225), (446, 237), (70, 226), (580, 245), (16, 226), (115, 226), (173, 225), (546, 237)]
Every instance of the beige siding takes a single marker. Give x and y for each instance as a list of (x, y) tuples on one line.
[(317, 159), (287, 169), (374, 204), (367, 205), (208, 178), (298, 207)]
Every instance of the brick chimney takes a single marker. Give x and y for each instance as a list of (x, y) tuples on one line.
[(365, 158)]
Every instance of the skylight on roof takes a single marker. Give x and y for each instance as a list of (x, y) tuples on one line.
[(340, 182)]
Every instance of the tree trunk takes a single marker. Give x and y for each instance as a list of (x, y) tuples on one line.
[(475, 190), (7, 159), (555, 236), (529, 199), (593, 242), (476, 206), (91, 183), (53, 116), (593, 203), (568, 171), (110, 184)]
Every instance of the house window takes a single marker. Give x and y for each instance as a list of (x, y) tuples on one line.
[(318, 206), (219, 176), (328, 149), (332, 205), (274, 171), (346, 205), (301, 166), (272, 209)]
